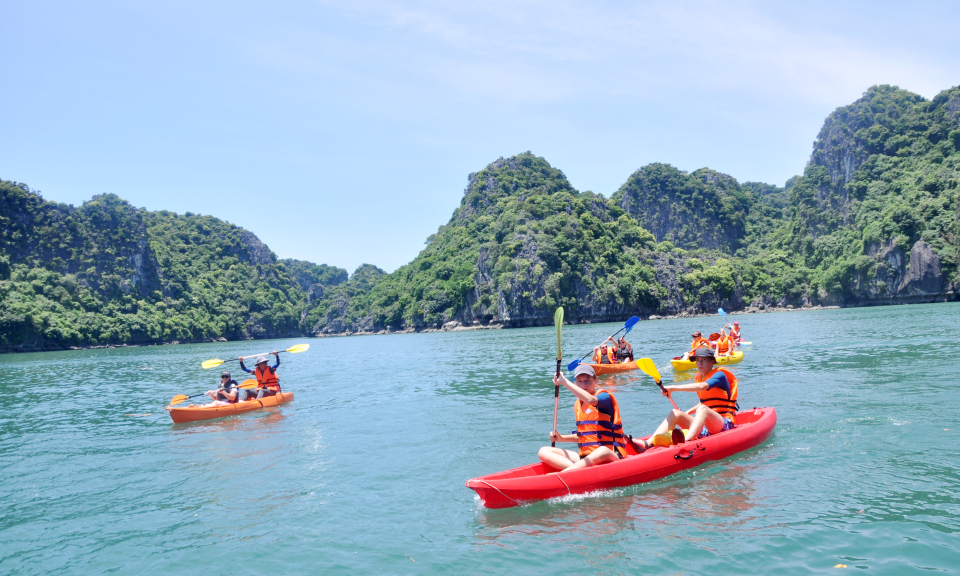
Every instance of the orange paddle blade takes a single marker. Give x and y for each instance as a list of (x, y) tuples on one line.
[(248, 384), (178, 399)]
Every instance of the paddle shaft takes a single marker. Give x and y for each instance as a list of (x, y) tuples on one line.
[(556, 403), (614, 334), (660, 384)]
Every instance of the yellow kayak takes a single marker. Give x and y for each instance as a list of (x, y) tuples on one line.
[(679, 364)]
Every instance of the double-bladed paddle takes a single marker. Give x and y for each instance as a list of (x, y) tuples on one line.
[(558, 322), (216, 362), (628, 326), (247, 385), (648, 366)]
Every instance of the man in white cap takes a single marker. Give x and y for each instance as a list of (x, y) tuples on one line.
[(599, 434), (267, 382)]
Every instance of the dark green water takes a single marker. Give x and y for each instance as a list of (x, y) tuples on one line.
[(364, 472)]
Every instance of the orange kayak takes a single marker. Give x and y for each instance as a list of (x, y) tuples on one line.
[(207, 412), (601, 369)]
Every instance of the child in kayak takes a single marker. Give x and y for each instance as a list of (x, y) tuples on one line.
[(717, 390), (622, 349), (267, 382), (599, 433), (724, 344)]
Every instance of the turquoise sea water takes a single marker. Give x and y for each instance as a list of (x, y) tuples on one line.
[(364, 472)]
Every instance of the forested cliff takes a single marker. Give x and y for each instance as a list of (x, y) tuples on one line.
[(873, 219)]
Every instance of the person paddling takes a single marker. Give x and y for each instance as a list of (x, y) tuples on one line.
[(599, 434), (267, 382), (698, 342), (735, 332), (622, 349), (717, 390), (226, 393)]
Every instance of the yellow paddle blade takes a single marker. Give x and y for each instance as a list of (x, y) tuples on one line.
[(178, 399), (558, 322), (298, 348), (211, 363), (248, 384), (649, 367)]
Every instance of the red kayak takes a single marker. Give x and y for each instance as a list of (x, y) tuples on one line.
[(534, 482)]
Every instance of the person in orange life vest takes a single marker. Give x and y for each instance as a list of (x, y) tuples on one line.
[(717, 391), (734, 332), (604, 354), (599, 433), (698, 342), (267, 382), (724, 345), (622, 349)]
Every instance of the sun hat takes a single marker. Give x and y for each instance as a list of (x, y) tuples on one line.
[(261, 359), (704, 353)]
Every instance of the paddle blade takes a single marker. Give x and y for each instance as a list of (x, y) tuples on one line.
[(298, 348), (248, 384), (649, 368), (722, 313), (573, 365), (629, 324), (715, 336), (178, 399), (211, 363), (558, 322)]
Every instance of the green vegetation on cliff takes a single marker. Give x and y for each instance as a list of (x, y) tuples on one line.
[(873, 219)]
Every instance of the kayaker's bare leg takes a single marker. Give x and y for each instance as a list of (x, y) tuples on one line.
[(558, 457), (601, 455), (704, 417), (674, 418)]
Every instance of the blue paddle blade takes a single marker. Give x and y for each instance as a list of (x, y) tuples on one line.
[(721, 312), (629, 324), (573, 365)]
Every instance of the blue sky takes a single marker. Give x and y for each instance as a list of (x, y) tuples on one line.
[(343, 132)]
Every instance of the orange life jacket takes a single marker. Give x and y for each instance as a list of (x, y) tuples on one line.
[(734, 333), (267, 378), (723, 344), (605, 355), (700, 342), (716, 398), (595, 429)]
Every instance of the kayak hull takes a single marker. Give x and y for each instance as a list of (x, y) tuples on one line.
[(198, 413), (534, 482), (601, 369), (681, 365)]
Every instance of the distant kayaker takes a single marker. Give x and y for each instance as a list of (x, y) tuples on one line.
[(698, 342), (599, 432), (604, 354), (624, 351), (734, 332), (267, 382), (226, 392), (717, 390)]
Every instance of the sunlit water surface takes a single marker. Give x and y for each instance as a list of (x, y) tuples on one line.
[(364, 472)]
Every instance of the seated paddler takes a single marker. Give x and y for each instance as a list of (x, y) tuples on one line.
[(599, 433), (604, 354), (716, 389), (226, 392), (267, 382), (698, 342)]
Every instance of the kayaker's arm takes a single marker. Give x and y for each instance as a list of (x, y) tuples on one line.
[(558, 437), (577, 391), (695, 387)]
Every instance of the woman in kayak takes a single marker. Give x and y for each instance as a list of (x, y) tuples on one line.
[(734, 332), (724, 344), (599, 432), (717, 390), (267, 382)]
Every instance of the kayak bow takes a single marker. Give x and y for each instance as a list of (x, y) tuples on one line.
[(679, 364)]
